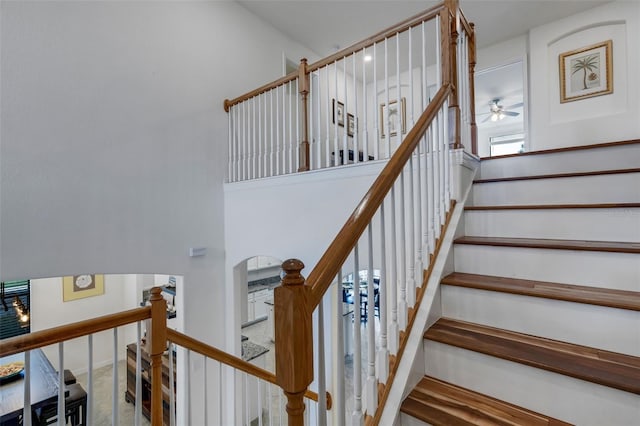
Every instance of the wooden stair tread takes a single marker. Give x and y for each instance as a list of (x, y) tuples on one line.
[(606, 368), (441, 403), (557, 175), (621, 299), (609, 246), (566, 149), (556, 206)]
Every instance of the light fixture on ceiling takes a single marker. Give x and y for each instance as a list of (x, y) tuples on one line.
[(497, 112), (368, 58), (4, 303), (21, 310)]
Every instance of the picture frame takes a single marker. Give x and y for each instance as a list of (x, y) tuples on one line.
[(338, 113), (393, 117), (81, 286), (586, 72), (351, 125)]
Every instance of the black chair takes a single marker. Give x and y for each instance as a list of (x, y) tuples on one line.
[(69, 377), (75, 408)]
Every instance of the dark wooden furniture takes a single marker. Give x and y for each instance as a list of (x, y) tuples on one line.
[(44, 386), (75, 408), (350, 159), (130, 394)]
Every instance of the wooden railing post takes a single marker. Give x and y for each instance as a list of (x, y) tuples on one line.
[(293, 336), (303, 88), (453, 19), (472, 89), (156, 345)]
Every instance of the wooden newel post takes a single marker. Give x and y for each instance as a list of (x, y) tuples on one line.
[(303, 88), (454, 104), (293, 336), (472, 89), (156, 345)]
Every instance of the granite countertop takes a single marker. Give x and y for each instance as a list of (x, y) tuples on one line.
[(251, 350), (269, 301)]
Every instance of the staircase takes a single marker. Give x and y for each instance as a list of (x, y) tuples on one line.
[(541, 317)]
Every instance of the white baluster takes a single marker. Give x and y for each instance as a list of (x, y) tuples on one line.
[(90, 379), (357, 416), (387, 126), (411, 229), (402, 268), (338, 401), (365, 121), (271, 148), (244, 141), (372, 382), (345, 142), (172, 389), (114, 392), (230, 146), (322, 387), (297, 144), (336, 141), (61, 390), (354, 139), (138, 405), (327, 159), (255, 143), (26, 401), (205, 392), (382, 362), (396, 318), (292, 140), (187, 384), (376, 138)]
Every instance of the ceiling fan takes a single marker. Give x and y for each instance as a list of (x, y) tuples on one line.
[(497, 112)]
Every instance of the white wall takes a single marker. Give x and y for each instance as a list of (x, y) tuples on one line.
[(114, 138), (592, 120), (49, 310)]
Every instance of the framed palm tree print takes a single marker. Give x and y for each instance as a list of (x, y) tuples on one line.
[(586, 72)]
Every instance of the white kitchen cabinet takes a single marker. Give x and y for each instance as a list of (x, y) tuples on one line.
[(261, 309)]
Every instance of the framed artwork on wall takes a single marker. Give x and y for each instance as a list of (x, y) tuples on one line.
[(586, 72), (338, 113), (351, 125), (393, 118), (81, 286)]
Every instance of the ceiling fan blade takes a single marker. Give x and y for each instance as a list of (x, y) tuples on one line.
[(511, 113), (518, 105)]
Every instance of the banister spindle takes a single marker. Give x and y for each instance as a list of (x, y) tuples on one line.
[(157, 344), (293, 336), (303, 89)]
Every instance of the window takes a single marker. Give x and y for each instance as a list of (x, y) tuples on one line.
[(10, 325), (507, 144)]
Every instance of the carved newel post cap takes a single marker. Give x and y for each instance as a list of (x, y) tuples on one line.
[(156, 294), (292, 268)]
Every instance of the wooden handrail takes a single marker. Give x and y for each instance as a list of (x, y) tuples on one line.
[(228, 103), (328, 266), (468, 26), (231, 360), (38, 339), (400, 27), (386, 33)]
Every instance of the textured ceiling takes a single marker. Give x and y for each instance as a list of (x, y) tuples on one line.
[(324, 26)]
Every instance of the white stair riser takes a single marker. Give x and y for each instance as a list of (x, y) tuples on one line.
[(597, 269), (565, 398), (611, 158), (616, 330), (614, 188), (615, 224)]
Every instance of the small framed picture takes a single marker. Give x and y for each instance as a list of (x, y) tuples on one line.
[(351, 125), (338, 113), (586, 72), (81, 286), (393, 118)]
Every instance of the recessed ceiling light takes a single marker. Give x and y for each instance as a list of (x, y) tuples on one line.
[(368, 58)]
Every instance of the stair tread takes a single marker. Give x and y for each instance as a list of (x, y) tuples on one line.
[(621, 299), (555, 206), (557, 175), (566, 149), (606, 368), (584, 245), (440, 403)]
